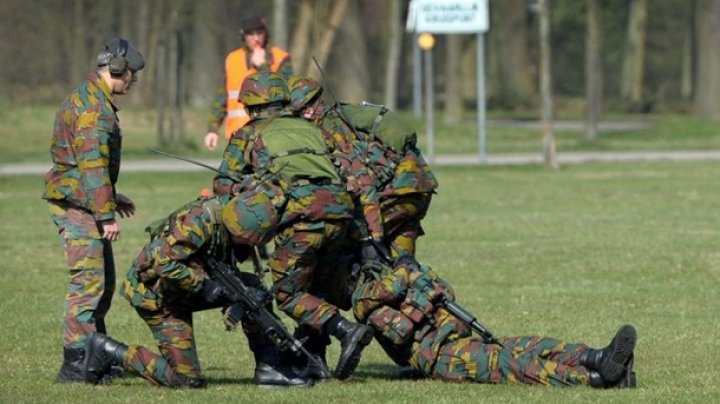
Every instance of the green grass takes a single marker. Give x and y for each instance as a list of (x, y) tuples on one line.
[(25, 134), (571, 254)]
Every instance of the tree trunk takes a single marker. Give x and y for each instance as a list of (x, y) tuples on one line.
[(353, 29), (687, 76), (633, 74), (79, 60), (300, 48), (160, 80), (280, 24), (350, 61), (546, 95), (511, 69), (453, 81), (206, 67), (392, 61), (593, 70), (707, 93), (140, 40)]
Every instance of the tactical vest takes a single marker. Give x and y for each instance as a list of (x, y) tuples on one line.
[(236, 70), (297, 149), (377, 120)]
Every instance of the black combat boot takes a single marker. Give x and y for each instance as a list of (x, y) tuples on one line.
[(615, 359), (72, 367), (316, 344), (353, 339), (101, 352), (271, 370)]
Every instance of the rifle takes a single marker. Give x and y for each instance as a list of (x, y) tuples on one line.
[(469, 319), (255, 301)]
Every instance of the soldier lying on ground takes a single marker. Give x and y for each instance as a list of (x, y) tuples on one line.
[(404, 306)]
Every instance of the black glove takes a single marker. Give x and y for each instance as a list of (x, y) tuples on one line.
[(212, 291)]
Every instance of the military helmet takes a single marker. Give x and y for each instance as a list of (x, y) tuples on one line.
[(302, 91), (251, 216), (263, 88)]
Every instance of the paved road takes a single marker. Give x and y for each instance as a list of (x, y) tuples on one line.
[(167, 164)]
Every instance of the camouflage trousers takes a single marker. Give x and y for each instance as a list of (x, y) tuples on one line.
[(401, 221), (91, 273), (294, 265), (526, 360), (178, 362)]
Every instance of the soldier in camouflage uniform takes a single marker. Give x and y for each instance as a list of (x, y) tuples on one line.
[(166, 283), (401, 304), (80, 190), (396, 185), (314, 219)]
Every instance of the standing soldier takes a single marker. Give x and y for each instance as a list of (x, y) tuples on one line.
[(314, 220), (167, 282), (80, 190), (254, 56), (404, 306)]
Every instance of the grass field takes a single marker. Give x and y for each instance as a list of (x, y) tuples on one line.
[(571, 254)]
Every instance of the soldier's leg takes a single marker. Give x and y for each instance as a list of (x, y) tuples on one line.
[(178, 364), (470, 359), (84, 254), (548, 348), (292, 264), (106, 298)]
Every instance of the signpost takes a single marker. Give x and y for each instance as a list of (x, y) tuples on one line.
[(448, 17)]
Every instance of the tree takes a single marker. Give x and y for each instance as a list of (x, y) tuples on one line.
[(707, 91), (593, 70), (392, 62), (633, 73), (546, 96)]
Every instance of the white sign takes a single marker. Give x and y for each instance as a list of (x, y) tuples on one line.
[(448, 16)]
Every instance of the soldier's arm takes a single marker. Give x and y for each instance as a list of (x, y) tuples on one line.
[(233, 162), (187, 235), (92, 139)]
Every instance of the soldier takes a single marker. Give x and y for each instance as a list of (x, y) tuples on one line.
[(398, 173), (314, 220), (83, 202), (402, 305), (166, 283)]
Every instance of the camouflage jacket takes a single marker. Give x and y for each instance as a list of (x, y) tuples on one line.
[(85, 150), (170, 266), (278, 148)]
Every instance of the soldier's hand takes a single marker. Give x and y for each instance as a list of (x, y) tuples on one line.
[(110, 230), (125, 206), (211, 140), (212, 291)]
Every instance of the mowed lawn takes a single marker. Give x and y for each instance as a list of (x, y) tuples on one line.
[(572, 254)]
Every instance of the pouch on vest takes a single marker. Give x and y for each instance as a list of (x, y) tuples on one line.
[(392, 324)]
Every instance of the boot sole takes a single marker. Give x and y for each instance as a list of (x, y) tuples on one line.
[(623, 347), (345, 369)]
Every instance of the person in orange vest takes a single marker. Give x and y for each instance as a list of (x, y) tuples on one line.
[(255, 55)]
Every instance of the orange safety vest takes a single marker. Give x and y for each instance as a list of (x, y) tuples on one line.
[(236, 70)]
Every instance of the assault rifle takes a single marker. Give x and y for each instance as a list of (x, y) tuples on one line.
[(469, 319), (255, 301)]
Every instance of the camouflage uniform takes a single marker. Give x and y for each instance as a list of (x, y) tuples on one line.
[(80, 190), (402, 178), (163, 285), (415, 331), (314, 218)]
